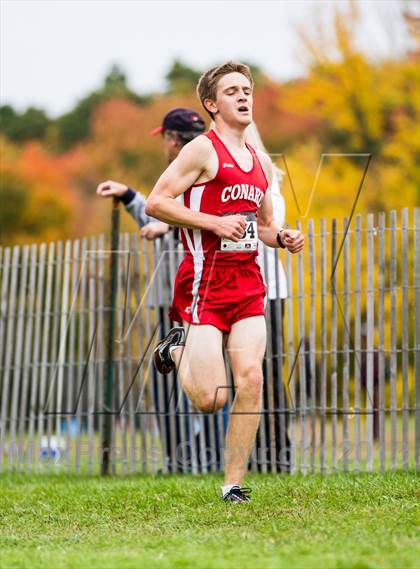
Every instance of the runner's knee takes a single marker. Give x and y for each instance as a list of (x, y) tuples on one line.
[(249, 383), (211, 401)]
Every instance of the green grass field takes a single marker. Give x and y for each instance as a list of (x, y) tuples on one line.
[(355, 521)]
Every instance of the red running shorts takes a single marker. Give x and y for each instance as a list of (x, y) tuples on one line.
[(218, 294)]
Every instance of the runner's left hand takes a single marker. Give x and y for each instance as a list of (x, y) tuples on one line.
[(292, 239)]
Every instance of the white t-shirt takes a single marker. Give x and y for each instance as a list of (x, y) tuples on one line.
[(272, 255)]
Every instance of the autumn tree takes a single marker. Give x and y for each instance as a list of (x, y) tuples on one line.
[(363, 106), (74, 126), (37, 199)]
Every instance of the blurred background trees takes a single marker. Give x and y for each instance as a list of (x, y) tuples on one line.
[(345, 104)]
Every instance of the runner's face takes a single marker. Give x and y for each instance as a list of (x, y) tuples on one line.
[(234, 99)]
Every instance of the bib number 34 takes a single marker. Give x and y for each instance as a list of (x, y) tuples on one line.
[(249, 240)]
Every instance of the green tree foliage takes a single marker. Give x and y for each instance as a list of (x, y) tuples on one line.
[(20, 127), (181, 78), (115, 83), (74, 126)]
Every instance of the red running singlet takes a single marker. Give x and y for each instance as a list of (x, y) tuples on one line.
[(231, 191)]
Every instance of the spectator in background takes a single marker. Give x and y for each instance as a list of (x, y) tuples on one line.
[(179, 126), (272, 268)]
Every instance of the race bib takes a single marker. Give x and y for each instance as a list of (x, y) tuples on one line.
[(248, 241)]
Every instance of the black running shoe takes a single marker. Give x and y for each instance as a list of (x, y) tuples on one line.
[(238, 495), (161, 356)]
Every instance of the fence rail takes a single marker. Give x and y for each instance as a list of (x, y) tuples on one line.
[(342, 367)]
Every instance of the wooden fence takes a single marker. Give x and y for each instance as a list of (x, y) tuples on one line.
[(342, 368)]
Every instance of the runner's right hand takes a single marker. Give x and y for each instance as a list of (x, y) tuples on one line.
[(230, 227), (110, 188)]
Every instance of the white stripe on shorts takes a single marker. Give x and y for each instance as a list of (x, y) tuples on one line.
[(195, 202)]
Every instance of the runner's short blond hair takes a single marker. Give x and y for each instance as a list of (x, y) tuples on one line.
[(207, 84)]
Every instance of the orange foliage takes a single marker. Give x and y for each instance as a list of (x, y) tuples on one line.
[(36, 193), (345, 104)]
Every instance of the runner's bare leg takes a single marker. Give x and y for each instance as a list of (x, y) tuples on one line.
[(246, 346), (203, 377), (201, 367)]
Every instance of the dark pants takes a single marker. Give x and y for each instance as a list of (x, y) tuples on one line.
[(275, 418)]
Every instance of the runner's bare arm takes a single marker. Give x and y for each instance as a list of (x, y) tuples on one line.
[(193, 164), (268, 229)]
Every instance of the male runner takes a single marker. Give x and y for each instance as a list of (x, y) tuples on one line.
[(216, 190)]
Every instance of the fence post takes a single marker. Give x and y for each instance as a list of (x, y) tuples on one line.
[(109, 363), (417, 330)]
